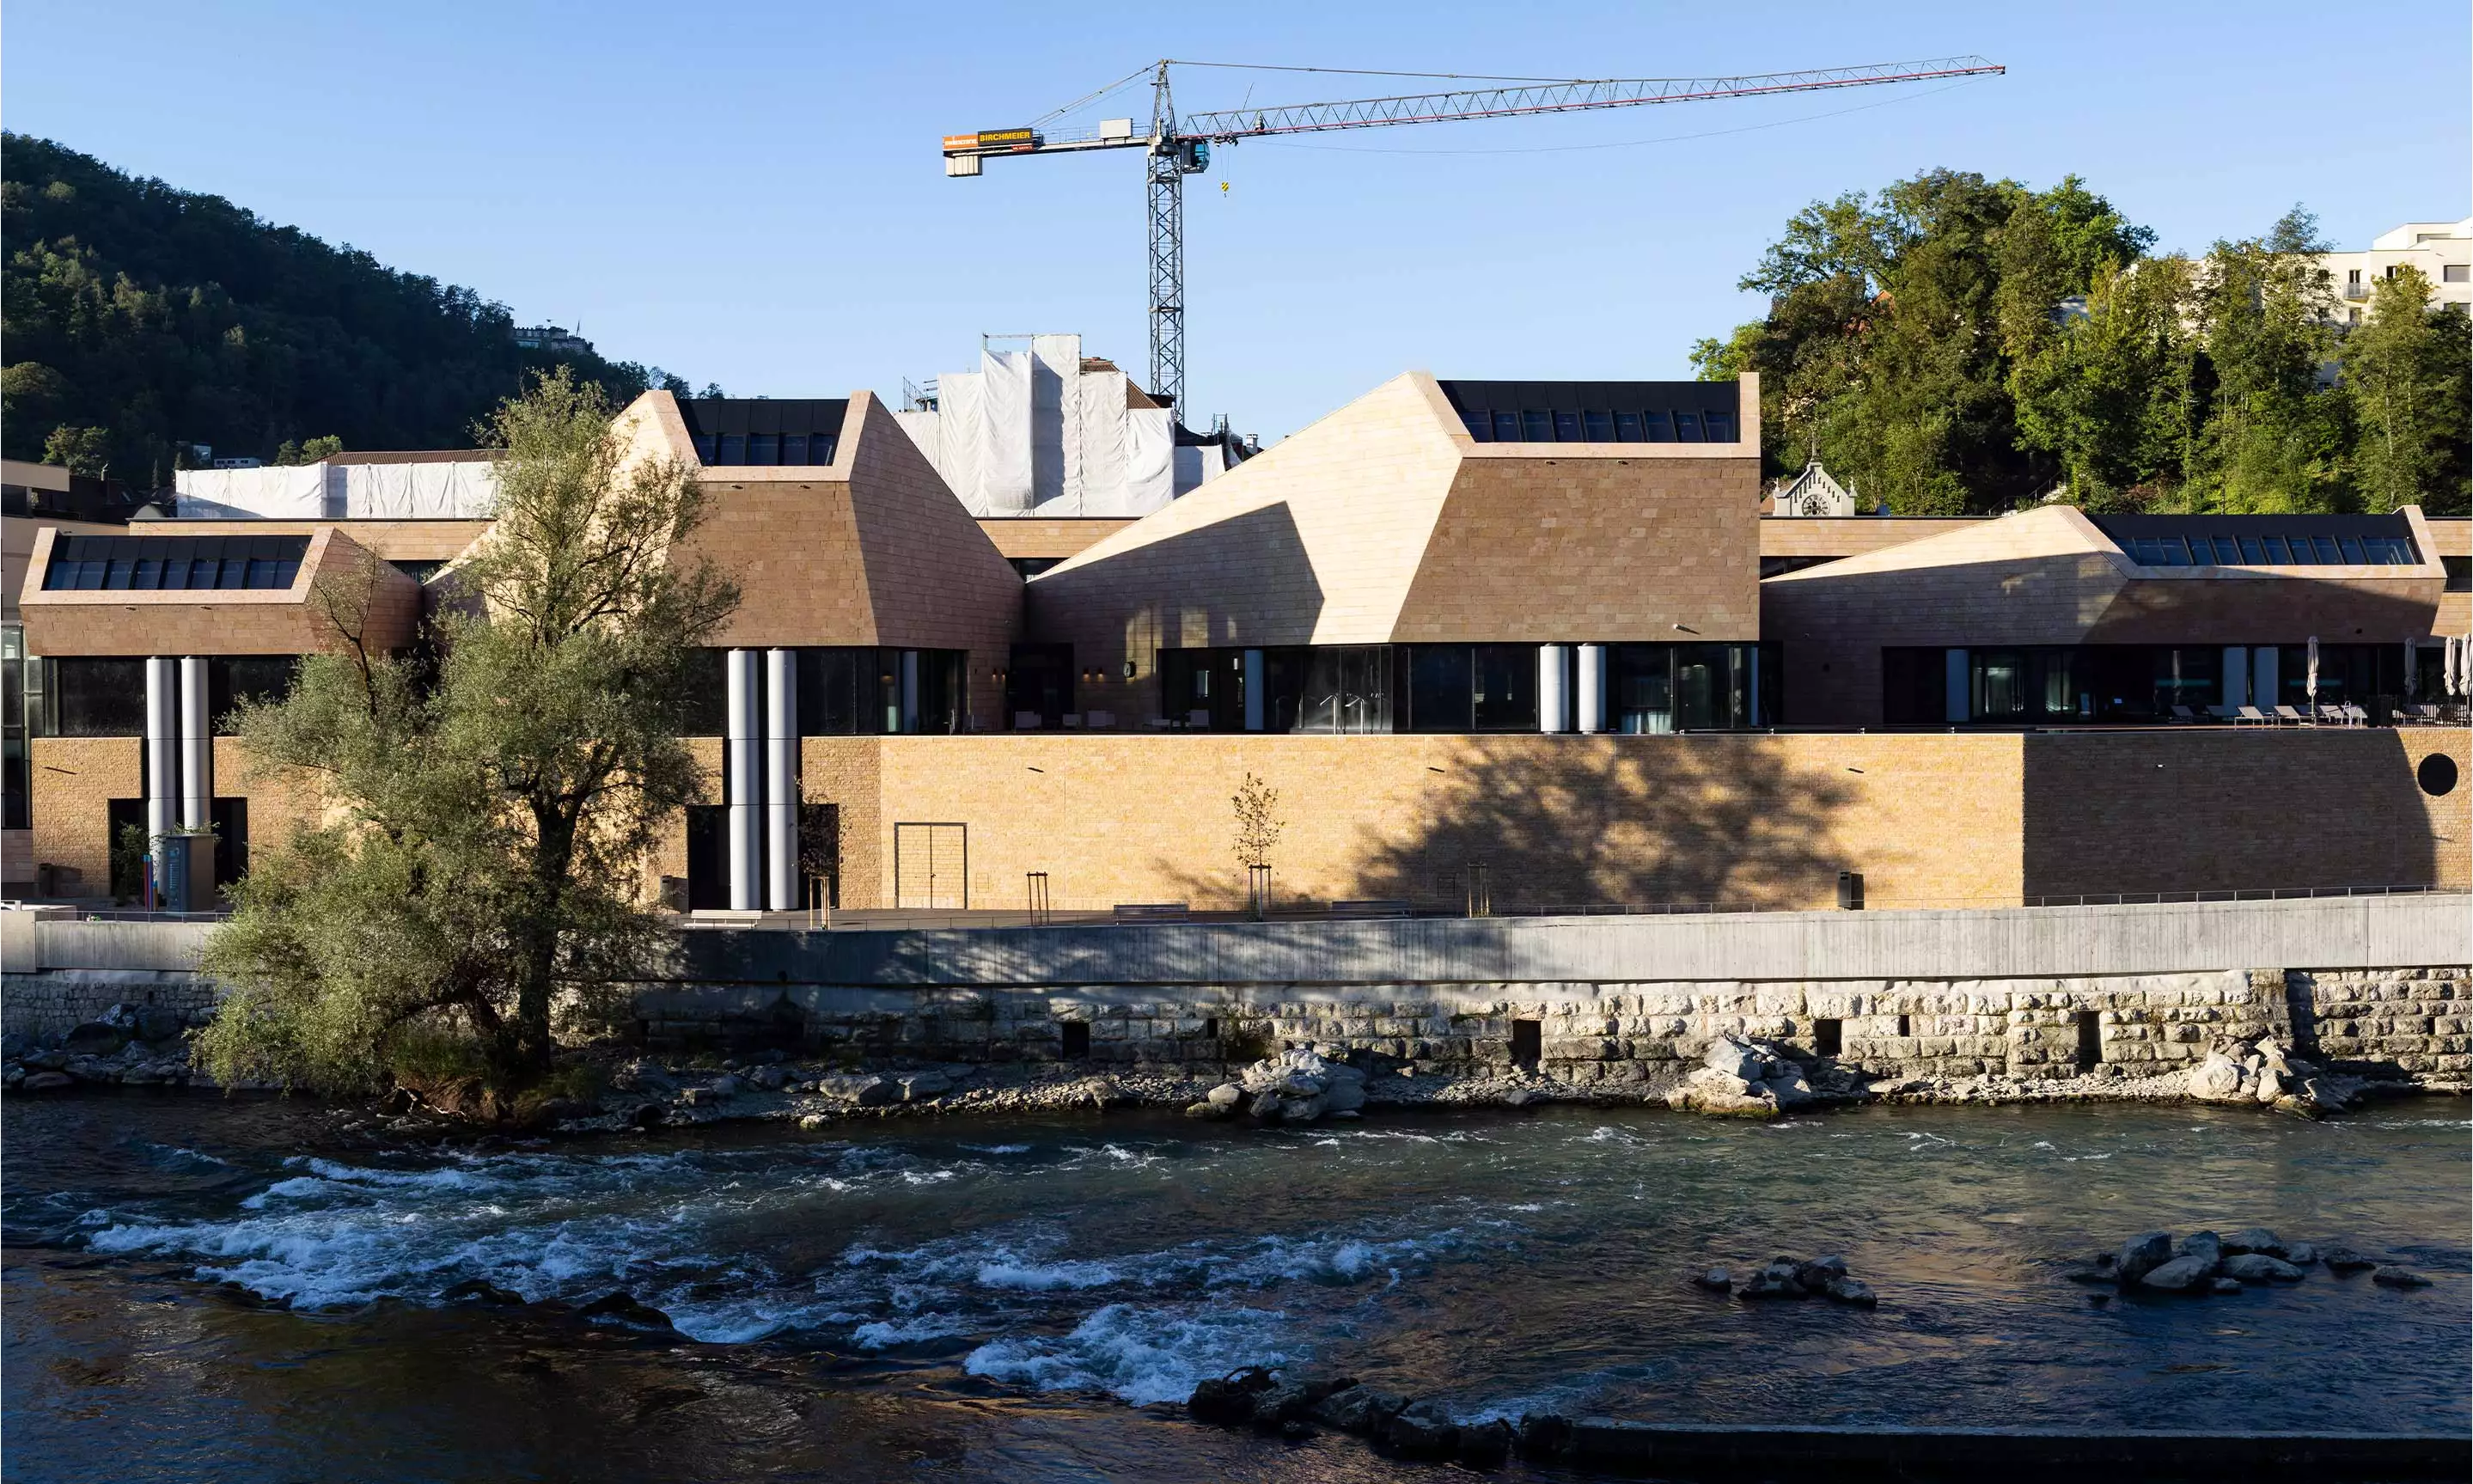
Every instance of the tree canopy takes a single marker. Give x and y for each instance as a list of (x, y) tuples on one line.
[(1953, 345), (140, 318), (491, 796)]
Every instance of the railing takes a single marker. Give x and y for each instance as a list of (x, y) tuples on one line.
[(1154, 914)]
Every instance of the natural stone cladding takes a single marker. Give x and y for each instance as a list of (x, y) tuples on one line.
[(1635, 1036)]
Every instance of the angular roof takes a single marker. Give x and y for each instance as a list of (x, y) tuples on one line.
[(1387, 521)]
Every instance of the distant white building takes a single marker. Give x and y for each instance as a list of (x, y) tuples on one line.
[(1813, 492), (1048, 431), (2443, 252)]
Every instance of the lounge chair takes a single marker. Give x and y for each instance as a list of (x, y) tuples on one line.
[(1200, 717), (2251, 713), (1026, 721), (2289, 715), (2182, 714), (2422, 712), (1099, 719), (2222, 713)]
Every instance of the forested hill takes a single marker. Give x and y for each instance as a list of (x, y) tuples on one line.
[(138, 315)]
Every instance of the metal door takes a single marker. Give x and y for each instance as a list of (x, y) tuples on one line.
[(931, 866)]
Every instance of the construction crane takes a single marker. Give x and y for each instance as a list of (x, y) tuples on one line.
[(1178, 148)]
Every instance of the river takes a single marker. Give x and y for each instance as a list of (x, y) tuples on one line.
[(206, 1288)]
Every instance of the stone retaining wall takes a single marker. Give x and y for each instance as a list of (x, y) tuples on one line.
[(2406, 1021), (2409, 1022)]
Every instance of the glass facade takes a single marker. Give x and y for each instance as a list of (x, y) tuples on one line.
[(1453, 688), (846, 691), (2123, 684)]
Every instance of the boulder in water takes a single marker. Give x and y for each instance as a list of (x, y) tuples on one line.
[(1228, 1400), (1420, 1430), (2182, 1275), (2257, 1267), (2250, 1239), (2342, 1260), (2142, 1254), (2201, 1244), (2392, 1277), (482, 1290), (627, 1309)]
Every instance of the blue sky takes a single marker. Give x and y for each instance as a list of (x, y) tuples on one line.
[(752, 193)]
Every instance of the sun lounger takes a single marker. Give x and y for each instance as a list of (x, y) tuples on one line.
[(2182, 714), (2251, 713), (2289, 714)]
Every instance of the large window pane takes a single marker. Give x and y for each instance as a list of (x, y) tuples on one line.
[(763, 448), (1600, 426), (93, 697), (1722, 427), (706, 700), (1701, 686), (232, 679), (1537, 427), (1999, 685), (1640, 685), (1627, 427), (1505, 686), (1567, 427), (1439, 687), (1914, 687), (1686, 427), (837, 692)]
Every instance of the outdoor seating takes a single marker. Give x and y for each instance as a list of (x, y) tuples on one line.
[(2182, 714), (1197, 718), (1152, 911), (2354, 715), (2222, 713), (1071, 720), (1099, 719), (2289, 714), (1026, 721), (2251, 713)]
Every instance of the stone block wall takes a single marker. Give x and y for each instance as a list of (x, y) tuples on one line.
[(46, 1006), (1645, 1035), (2417, 1019)]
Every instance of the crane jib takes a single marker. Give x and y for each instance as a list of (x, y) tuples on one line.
[(1553, 98)]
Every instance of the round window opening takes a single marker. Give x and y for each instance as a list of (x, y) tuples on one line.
[(2436, 775)]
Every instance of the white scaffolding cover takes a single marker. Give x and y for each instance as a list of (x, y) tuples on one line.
[(462, 491), (294, 493), (465, 490), (1005, 414), (1150, 460), (1102, 440)]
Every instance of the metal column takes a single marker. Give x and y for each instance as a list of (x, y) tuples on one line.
[(1553, 705), (1592, 687), (197, 746), (163, 746), (781, 780), (909, 690), (1256, 683), (2265, 688), (2235, 675), (745, 775)]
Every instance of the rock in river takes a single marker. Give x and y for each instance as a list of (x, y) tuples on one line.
[(2257, 1267), (2142, 1254), (2181, 1275)]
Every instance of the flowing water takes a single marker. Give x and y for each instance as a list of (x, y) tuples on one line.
[(201, 1288)]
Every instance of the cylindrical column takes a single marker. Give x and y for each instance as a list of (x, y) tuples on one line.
[(781, 780), (2265, 682), (163, 746), (1255, 683), (1592, 687), (197, 746), (1553, 705), (2235, 675), (909, 690), (1954, 697), (745, 782)]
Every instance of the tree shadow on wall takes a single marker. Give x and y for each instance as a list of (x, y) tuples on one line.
[(1574, 821), (1634, 821)]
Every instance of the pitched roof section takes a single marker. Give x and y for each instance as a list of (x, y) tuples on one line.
[(869, 549), (1388, 521)]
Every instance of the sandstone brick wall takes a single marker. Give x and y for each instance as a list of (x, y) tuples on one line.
[(2232, 809), (73, 779)]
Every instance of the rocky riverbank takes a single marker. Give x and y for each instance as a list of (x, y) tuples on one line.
[(609, 1088)]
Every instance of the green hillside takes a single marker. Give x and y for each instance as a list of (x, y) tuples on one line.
[(138, 317)]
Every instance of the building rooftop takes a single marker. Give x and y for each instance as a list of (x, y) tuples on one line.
[(744, 430), (1596, 411)]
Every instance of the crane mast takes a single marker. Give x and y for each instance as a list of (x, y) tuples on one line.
[(1175, 148)]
